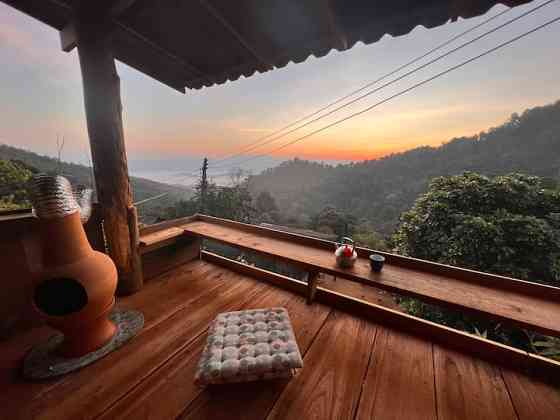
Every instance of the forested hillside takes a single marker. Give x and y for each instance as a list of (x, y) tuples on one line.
[(380, 190), (79, 174)]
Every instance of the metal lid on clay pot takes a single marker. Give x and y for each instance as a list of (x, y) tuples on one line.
[(52, 197)]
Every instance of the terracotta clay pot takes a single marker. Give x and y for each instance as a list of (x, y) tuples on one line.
[(77, 286)]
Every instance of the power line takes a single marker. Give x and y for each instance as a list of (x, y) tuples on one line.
[(155, 197), (416, 69), (203, 186), (210, 175), (255, 144), (425, 81), (403, 91)]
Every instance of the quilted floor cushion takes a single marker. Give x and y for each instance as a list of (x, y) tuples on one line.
[(247, 346)]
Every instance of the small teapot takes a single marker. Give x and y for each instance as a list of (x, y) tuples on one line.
[(345, 253)]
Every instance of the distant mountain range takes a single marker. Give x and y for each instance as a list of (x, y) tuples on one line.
[(79, 174), (380, 190)]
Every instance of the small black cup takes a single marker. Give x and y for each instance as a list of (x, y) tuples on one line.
[(376, 261)]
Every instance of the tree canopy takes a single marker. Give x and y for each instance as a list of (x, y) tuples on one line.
[(507, 225), (233, 202), (14, 184)]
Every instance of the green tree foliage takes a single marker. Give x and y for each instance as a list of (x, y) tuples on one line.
[(507, 225), (331, 220), (364, 235), (234, 202), (14, 184), (82, 175), (266, 207)]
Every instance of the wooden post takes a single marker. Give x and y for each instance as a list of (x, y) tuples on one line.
[(136, 260), (94, 229), (105, 128), (312, 278), (203, 186)]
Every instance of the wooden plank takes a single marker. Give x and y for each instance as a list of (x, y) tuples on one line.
[(136, 261), (492, 280), (532, 398), (160, 236), (252, 400), (91, 390), (12, 352), (182, 251), (174, 291), (156, 227), (287, 283), (460, 340), (164, 388), (468, 388), (68, 37), (312, 278), (14, 391), (537, 313), (121, 371), (8, 216), (360, 291), (166, 393), (328, 387), (156, 301), (470, 343), (171, 388), (94, 229), (399, 383)]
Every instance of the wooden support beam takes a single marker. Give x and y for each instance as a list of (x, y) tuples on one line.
[(312, 278), (120, 6), (103, 107), (136, 261), (68, 37), (94, 229), (266, 63), (127, 43)]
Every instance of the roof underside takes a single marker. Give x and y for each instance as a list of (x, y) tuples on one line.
[(200, 43)]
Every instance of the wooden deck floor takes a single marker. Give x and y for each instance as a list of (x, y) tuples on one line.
[(354, 368)]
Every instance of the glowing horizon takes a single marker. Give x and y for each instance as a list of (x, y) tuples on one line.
[(42, 96)]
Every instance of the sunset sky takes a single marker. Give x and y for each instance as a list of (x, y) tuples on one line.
[(41, 95)]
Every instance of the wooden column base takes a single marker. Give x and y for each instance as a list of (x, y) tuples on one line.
[(312, 278)]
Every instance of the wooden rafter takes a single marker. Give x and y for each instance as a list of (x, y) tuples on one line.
[(120, 6), (224, 22)]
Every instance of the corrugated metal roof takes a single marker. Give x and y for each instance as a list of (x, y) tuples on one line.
[(200, 43)]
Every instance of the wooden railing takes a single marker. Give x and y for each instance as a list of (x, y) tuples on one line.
[(532, 306), (528, 305)]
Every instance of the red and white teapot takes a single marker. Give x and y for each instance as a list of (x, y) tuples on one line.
[(345, 253)]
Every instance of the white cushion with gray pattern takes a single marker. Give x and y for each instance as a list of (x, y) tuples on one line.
[(249, 345)]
